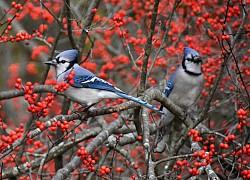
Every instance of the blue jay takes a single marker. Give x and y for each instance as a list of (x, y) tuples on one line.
[(184, 89), (87, 89)]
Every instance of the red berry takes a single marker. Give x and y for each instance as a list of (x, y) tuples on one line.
[(139, 138), (19, 80), (119, 169), (136, 166), (94, 10), (107, 170)]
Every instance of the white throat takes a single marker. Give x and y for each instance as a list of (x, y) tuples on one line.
[(61, 68), (192, 68)]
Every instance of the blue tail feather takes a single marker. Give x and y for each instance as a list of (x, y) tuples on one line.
[(126, 96)]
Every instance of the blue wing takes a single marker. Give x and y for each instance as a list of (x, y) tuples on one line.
[(169, 86), (94, 82), (86, 79)]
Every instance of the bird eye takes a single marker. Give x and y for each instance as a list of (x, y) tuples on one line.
[(63, 61)]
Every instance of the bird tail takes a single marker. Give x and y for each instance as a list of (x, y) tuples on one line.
[(126, 96)]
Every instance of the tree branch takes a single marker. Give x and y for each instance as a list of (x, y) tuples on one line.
[(148, 48), (87, 23), (97, 141)]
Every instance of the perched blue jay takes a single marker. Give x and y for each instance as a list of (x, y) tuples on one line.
[(184, 89), (87, 89)]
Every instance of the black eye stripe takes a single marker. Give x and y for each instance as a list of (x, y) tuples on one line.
[(190, 59), (60, 61)]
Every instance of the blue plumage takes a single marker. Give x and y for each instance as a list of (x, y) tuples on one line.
[(188, 50), (170, 85), (71, 54), (93, 82)]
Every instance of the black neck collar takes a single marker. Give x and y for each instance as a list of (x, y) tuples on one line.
[(192, 73)]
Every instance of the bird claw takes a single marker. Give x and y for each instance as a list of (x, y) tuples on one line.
[(189, 114), (161, 144), (75, 111), (185, 114), (82, 109), (161, 140)]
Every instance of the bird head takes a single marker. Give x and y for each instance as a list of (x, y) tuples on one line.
[(191, 61), (64, 60), (191, 55)]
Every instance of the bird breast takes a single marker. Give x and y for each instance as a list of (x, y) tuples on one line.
[(187, 89)]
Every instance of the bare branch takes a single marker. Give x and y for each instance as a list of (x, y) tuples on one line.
[(148, 48)]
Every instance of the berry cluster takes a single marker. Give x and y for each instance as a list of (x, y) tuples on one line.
[(20, 36), (63, 86), (86, 159), (40, 107), (242, 115), (118, 18), (2, 125), (7, 140), (243, 155), (104, 170), (182, 165), (204, 156), (201, 158), (40, 125), (195, 135), (69, 77), (246, 174), (18, 84), (194, 171), (18, 12), (9, 159), (63, 125)]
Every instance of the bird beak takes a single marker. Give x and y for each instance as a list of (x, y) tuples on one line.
[(53, 62), (199, 59)]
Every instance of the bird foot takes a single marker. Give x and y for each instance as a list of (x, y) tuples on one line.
[(160, 140), (161, 146), (190, 114), (82, 109), (78, 110)]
